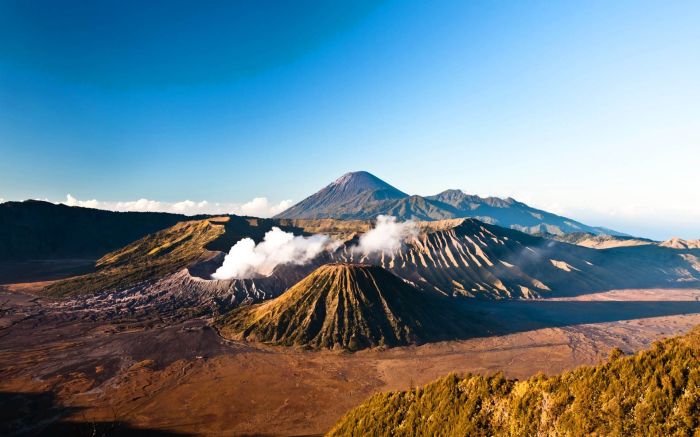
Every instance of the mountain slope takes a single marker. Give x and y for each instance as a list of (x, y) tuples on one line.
[(459, 257), (362, 196), (654, 392), (350, 306), (149, 258), (41, 230), (166, 252), (470, 258)]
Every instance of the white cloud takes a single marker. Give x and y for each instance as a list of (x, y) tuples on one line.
[(258, 207), (283, 205), (72, 201), (186, 206)]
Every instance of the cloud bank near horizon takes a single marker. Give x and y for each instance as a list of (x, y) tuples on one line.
[(258, 207)]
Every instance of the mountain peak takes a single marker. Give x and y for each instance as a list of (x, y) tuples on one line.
[(451, 192), (361, 181), (354, 188)]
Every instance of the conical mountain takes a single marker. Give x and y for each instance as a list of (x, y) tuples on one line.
[(350, 306), (356, 182), (354, 188)]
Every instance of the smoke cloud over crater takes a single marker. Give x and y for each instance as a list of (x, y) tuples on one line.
[(248, 260), (387, 236)]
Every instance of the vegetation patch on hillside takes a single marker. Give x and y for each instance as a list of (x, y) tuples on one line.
[(654, 392)]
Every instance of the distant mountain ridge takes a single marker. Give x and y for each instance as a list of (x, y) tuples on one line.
[(361, 196), (36, 229)]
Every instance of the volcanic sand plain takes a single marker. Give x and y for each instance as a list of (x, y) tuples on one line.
[(62, 370)]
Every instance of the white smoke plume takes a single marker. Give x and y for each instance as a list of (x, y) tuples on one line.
[(248, 260), (387, 236)]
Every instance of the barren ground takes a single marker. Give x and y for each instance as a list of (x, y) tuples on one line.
[(59, 367)]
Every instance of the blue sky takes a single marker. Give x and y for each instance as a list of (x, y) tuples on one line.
[(589, 109)]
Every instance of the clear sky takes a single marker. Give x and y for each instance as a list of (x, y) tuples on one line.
[(590, 109)]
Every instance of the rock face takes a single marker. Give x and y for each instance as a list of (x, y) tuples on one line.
[(348, 306), (361, 196)]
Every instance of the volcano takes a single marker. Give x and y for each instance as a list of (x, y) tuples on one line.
[(348, 306), (350, 191), (362, 196)]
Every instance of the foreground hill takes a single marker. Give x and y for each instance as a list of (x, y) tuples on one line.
[(37, 230), (654, 392), (361, 195), (348, 306)]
